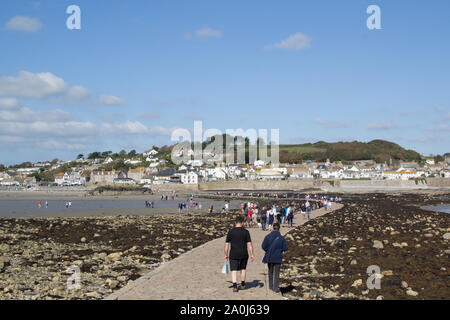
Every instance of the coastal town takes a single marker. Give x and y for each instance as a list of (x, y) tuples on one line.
[(153, 167)]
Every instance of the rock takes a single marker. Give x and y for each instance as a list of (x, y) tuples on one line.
[(371, 229), (411, 292), (112, 283), (165, 256), (357, 283), (404, 284), (353, 262), (429, 235), (115, 256), (447, 236), (83, 239), (93, 294), (380, 298), (378, 244), (387, 273)]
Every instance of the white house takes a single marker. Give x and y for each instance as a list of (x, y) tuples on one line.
[(267, 173), (70, 179), (149, 153), (195, 163), (108, 160), (25, 171), (300, 173), (132, 161), (259, 163), (124, 181), (151, 159), (190, 177)]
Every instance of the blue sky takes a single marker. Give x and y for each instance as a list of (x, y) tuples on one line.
[(136, 70)]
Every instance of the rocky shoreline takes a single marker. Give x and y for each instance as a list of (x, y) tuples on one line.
[(328, 257), (109, 251)]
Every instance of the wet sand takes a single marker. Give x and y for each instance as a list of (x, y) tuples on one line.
[(58, 198)]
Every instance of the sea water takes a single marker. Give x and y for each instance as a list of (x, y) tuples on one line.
[(10, 208), (439, 208)]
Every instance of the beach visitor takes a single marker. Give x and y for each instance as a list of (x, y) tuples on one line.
[(263, 218), (248, 217), (255, 217), (46, 204), (290, 216), (282, 215), (237, 246), (308, 209), (303, 211), (271, 217), (274, 245), (39, 203), (278, 214)]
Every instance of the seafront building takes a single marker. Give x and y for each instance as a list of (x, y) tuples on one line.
[(151, 168)]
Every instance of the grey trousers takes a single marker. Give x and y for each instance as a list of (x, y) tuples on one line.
[(274, 276)]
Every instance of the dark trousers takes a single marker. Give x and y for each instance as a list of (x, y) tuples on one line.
[(274, 276)]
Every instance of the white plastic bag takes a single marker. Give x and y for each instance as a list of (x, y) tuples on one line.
[(225, 268)]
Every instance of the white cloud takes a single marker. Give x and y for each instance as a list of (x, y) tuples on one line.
[(47, 86), (159, 131), (387, 125), (53, 144), (78, 93), (208, 33), (330, 124), (204, 33), (447, 117), (9, 103), (26, 115), (25, 24), (297, 41), (111, 100), (136, 127), (32, 85)]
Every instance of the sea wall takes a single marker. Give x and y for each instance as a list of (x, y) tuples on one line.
[(438, 182), (173, 187), (258, 185)]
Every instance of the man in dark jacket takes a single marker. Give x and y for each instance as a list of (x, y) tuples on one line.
[(274, 245)]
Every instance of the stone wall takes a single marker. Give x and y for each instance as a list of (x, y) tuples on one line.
[(438, 182), (258, 185)]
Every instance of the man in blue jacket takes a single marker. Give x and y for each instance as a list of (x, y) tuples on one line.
[(274, 245)]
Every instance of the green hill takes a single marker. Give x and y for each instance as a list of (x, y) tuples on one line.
[(378, 150)]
